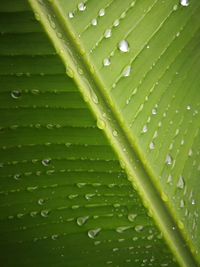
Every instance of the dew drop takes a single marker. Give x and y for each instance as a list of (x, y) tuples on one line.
[(81, 7), (169, 160), (181, 182), (115, 133), (139, 228), (17, 176), (175, 7), (152, 146), (144, 129), (106, 62), (123, 46), (44, 213), (108, 33), (93, 233), (121, 229), (16, 94), (185, 2), (70, 15), (54, 237), (116, 23), (101, 12), (190, 153), (82, 220), (126, 71), (154, 111), (131, 217), (41, 201), (101, 124), (46, 162), (94, 22)]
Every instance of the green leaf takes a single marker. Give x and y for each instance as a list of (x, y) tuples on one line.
[(65, 200), (136, 64)]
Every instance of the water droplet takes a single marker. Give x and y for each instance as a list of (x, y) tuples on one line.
[(131, 217), (169, 160), (108, 33), (106, 62), (184, 2), (44, 213), (94, 22), (17, 176), (139, 228), (126, 71), (190, 153), (101, 12), (81, 6), (121, 229), (123, 46), (41, 201), (152, 146), (182, 203), (116, 23), (175, 7), (46, 162), (181, 182), (154, 111), (54, 237), (144, 129), (82, 220), (94, 232), (101, 124), (16, 94), (70, 15), (115, 133)]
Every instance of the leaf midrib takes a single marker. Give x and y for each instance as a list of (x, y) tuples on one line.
[(91, 88)]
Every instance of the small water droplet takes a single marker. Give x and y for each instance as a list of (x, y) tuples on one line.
[(131, 217), (70, 15), (175, 7), (184, 2), (123, 46), (139, 228), (54, 237), (17, 176), (46, 162), (152, 146), (81, 7), (44, 213), (93, 232), (144, 129), (121, 229), (82, 220), (108, 33), (169, 160), (154, 111), (116, 23), (115, 133), (41, 201), (190, 153), (106, 62), (126, 71), (101, 124), (181, 182), (94, 22), (16, 94), (102, 12)]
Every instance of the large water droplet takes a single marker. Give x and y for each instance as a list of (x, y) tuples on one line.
[(82, 220), (94, 232), (184, 2), (81, 6), (181, 182), (16, 94), (123, 46)]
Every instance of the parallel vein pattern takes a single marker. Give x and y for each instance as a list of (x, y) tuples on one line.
[(64, 199), (137, 60)]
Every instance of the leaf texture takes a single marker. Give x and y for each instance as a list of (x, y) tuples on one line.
[(65, 200), (137, 64)]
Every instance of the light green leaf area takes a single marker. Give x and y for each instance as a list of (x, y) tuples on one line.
[(64, 199), (137, 64)]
